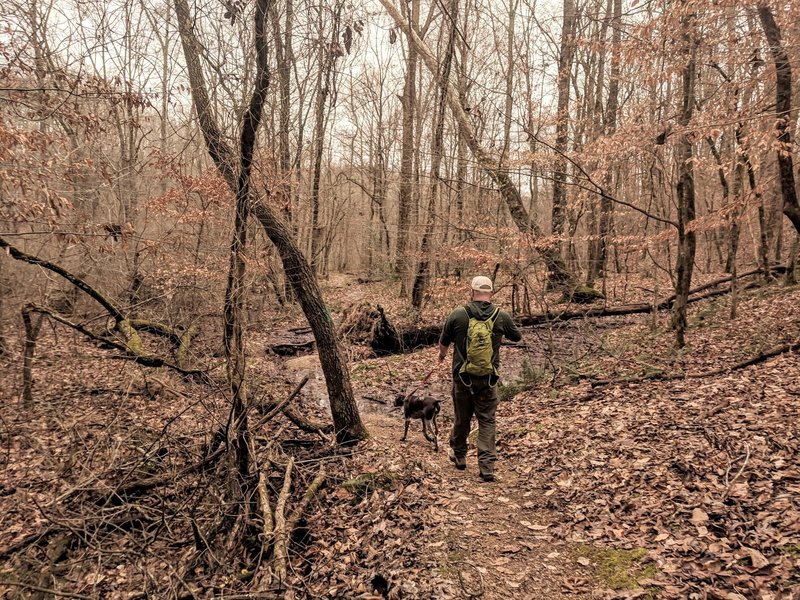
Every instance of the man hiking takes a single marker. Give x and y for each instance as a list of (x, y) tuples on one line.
[(476, 330)]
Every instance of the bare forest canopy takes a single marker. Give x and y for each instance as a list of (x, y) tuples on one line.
[(186, 187), (587, 110)]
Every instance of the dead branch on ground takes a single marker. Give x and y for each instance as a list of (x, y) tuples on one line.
[(660, 376)]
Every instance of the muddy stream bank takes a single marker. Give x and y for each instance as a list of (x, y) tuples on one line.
[(542, 352)]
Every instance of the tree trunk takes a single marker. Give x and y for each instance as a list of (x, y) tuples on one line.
[(557, 270), (235, 291), (606, 206), (461, 142), (562, 119), (593, 249), (347, 422), (685, 186), (738, 190), (508, 109), (406, 192), (378, 203), (31, 334), (783, 113), (283, 58), (327, 60), (437, 150)]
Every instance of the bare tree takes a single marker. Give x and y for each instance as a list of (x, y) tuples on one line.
[(783, 113), (437, 150), (557, 270), (566, 53), (685, 186), (347, 422)]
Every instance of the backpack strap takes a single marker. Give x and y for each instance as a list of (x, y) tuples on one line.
[(491, 318)]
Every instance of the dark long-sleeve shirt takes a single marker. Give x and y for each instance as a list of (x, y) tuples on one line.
[(455, 331)]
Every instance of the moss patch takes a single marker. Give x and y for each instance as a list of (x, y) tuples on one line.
[(619, 569), (792, 550), (366, 483), (582, 294)]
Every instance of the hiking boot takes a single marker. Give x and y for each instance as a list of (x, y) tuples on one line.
[(486, 477), (459, 462)]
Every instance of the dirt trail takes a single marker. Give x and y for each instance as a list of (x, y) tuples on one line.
[(490, 539)]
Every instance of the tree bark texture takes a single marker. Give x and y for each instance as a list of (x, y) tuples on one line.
[(685, 187), (347, 422), (783, 114)]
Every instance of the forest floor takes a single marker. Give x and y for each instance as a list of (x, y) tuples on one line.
[(681, 488)]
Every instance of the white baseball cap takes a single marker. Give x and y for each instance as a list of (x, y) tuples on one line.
[(482, 284)]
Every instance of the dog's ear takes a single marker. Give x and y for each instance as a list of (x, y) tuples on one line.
[(398, 401)]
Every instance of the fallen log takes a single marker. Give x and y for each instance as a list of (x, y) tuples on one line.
[(285, 525), (630, 309), (292, 347), (123, 324), (274, 410), (266, 515), (280, 550), (131, 351), (298, 420), (369, 325)]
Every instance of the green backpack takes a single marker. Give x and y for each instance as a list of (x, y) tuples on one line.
[(479, 345)]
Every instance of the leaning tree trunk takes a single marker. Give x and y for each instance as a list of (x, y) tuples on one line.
[(783, 114), (685, 187), (346, 420), (557, 270)]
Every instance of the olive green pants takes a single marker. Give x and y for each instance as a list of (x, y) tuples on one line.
[(480, 400)]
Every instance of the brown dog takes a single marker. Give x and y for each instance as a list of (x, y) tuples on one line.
[(426, 409)]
